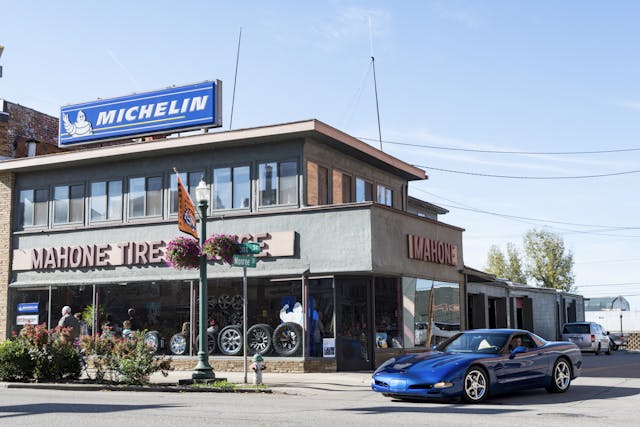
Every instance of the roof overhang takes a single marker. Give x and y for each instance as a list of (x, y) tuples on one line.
[(207, 141)]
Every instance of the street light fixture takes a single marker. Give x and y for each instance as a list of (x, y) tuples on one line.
[(203, 370)]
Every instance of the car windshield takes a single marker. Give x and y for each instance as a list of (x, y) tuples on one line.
[(576, 328), (476, 342)]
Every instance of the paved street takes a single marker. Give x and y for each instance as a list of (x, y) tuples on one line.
[(607, 394)]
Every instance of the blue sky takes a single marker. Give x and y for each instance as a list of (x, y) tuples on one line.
[(453, 77)]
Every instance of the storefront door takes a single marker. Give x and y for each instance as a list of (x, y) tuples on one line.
[(354, 349)]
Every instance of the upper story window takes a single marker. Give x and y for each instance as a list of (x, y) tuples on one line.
[(34, 208), (145, 196), (190, 180), (231, 187), (364, 190), (278, 183), (385, 196), (106, 201), (317, 184), (68, 204)]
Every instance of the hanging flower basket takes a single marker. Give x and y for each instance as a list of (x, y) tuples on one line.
[(220, 246), (183, 252)]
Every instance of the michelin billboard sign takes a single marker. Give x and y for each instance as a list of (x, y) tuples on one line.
[(178, 108)]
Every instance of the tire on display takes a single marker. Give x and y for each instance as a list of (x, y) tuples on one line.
[(152, 339), (475, 385), (287, 339), (179, 344), (230, 341), (560, 377), (211, 343), (259, 339)]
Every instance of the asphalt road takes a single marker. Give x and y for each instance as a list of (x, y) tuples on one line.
[(606, 394)]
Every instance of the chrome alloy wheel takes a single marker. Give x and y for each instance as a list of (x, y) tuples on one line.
[(475, 385), (562, 375)]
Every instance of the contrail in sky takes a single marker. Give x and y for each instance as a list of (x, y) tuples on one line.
[(121, 65)]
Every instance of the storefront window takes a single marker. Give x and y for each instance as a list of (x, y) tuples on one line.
[(387, 313), (320, 318), (446, 310)]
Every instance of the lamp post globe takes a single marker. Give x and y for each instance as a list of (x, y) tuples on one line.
[(203, 370)]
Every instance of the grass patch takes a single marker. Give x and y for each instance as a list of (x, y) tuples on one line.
[(229, 386)]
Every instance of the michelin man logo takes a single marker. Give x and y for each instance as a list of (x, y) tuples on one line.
[(81, 127)]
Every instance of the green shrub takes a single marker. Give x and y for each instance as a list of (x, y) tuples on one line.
[(15, 362), (39, 354), (125, 360)]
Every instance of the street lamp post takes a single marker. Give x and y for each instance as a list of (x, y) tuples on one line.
[(203, 370)]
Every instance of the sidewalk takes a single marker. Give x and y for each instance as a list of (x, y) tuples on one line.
[(286, 383)]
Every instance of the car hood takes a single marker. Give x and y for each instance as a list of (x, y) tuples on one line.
[(433, 361)]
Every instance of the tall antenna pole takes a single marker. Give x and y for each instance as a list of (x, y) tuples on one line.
[(375, 85), (235, 79), (375, 82)]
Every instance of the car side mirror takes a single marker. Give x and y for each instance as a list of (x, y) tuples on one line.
[(434, 347), (606, 333)]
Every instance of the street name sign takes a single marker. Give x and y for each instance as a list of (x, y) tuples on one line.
[(244, 261)]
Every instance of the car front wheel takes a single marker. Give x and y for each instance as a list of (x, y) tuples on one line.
[(560, 377), (475, 385)]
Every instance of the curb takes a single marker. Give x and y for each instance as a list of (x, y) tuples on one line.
[(169, 388)]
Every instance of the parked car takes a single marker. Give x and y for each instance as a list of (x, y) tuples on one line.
[(588, 336), (617, 340), (476, 364)]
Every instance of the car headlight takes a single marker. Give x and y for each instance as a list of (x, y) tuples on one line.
[(442, 384)]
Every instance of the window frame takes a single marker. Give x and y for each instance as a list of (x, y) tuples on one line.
[(278, 186), (232, 187), (107, 205), (388, 195), (200, 174), (366, 182), (146, 197), (21, 211), (52, 199)]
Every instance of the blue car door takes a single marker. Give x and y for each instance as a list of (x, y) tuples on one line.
[(521, 369)]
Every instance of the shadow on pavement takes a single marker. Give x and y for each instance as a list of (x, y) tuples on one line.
[(440, 409), (61, 408)]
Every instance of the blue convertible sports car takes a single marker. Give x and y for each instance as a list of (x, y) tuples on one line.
[(478, 363)]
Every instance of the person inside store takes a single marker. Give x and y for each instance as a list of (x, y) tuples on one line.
[(110, 328), (134, 324), (127, 331), (69, 321), (84, 330)]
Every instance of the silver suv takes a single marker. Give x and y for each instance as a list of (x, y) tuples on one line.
[(589, 336)]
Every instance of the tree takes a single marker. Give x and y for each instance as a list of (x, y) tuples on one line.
[(548, 264), (509, 268)]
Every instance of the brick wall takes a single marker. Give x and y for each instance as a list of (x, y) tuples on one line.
[(6, 197), (274, 364), (19, 124)]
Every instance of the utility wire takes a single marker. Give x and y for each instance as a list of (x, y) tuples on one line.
[(488, 175), (608, 227), (471, 150)]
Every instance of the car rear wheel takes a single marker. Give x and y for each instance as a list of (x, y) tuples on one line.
[(475, 385), (598, 349), (560, 377)]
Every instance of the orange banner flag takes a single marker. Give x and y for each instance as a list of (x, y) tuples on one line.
[(186, 211)]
